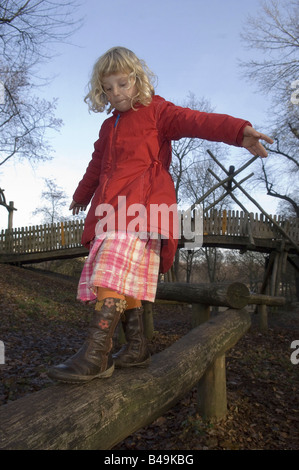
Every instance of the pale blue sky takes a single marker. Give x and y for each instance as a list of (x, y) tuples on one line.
[(191, 45)]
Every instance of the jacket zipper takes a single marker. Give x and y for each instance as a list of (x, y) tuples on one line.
[(113, 161), (118, 116)]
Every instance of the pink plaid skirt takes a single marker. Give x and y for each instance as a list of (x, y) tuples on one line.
[(122, 262)]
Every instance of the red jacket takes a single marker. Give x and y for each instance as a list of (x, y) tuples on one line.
[(132, 156)]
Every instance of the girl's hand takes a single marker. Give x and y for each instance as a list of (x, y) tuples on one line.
[(77, 207), (251, 141)]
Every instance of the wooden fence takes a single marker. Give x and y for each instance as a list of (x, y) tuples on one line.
[(238, 223), (40, 238), (58, 236)]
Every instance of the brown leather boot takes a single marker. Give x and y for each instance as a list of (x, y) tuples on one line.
[(94, 359), (135, 352)]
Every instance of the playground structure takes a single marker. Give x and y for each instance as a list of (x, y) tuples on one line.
[(132, 399), (241, 230), (224, 229), (10, 208), (100, 414)]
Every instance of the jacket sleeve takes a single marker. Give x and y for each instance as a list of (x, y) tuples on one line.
[(175, 122), (90, 180)]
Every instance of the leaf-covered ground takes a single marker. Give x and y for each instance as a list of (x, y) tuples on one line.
[(43, 324)]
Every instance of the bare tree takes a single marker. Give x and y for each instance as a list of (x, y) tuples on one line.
[(189, 169), (188, 258), (23, 121), (289, 201), (189, 158), (273, 37), (186, 151), (246, 267), (28, 31), (29, 28), (56, 200), (274, 33)]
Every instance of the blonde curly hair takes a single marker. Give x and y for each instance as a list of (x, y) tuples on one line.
[(119, 60)]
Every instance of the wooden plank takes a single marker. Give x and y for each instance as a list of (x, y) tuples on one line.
[(28, 258), (224, 222), (263, 299)]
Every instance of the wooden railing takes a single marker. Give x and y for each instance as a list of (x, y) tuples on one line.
[(237, 223), (62, 235), (40, 238)]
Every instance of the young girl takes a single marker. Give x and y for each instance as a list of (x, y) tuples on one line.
[(129, 170)]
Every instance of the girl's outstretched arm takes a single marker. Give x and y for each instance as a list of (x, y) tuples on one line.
[(251, 141)]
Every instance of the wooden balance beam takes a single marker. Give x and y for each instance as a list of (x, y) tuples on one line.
[(102, 413)]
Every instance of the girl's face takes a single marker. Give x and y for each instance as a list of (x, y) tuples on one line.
[(119, 91)]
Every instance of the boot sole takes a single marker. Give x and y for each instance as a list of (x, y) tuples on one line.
[(75, 379), (132, 364)]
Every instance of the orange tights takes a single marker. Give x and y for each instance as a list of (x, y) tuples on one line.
[(103, 293)]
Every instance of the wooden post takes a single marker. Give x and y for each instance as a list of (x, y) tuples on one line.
[(268, 271), (148, 320), (274, 274), (280, 270), (62, 234), (262, 301), (200, 314), (263, 317), (10, 214), (211, 390), (224, 222)]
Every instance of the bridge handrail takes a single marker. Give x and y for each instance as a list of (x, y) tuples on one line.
[(61, 235), (39, 238)]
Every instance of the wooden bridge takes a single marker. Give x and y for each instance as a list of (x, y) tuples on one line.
[(224, 229)]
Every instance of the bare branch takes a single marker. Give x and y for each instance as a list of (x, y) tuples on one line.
[(28, 29), (274, 31), (272, 192)]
